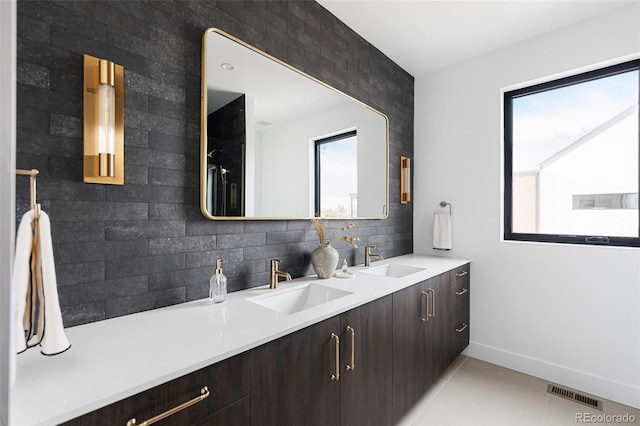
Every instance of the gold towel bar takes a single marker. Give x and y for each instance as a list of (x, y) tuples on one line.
[(32, 185), (204, 393)]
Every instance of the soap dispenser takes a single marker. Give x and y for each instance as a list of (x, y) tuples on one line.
[(218, 284)]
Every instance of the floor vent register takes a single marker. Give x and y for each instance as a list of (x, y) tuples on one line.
[(576, 396)]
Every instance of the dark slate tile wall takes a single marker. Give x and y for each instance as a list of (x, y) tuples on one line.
[(144, 245)]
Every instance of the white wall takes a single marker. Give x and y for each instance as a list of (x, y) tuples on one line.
[(569, 314), (291, 145), (7, 185)]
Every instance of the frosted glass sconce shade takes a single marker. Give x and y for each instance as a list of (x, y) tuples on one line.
[(405, 180), (103, 121)]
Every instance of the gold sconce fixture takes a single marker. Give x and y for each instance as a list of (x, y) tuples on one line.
[(405, 180), (103, 121)]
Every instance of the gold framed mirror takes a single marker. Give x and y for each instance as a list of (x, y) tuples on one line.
[(277, 143)]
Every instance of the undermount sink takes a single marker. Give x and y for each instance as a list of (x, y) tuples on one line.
[(298, 299), (392, 270)]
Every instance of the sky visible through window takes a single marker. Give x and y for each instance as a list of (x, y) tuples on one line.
[(556, 118), (339, 178)]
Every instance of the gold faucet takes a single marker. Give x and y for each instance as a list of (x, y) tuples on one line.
[(368, 255), (275, 273)]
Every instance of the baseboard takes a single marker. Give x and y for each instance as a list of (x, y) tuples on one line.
[(598, 386)]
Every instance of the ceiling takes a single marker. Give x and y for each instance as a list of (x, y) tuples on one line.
[(426, 35)]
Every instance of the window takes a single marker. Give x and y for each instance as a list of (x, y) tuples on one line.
[(337, 175), (571, 160)]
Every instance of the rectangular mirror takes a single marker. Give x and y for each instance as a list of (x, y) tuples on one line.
[(277, 143)]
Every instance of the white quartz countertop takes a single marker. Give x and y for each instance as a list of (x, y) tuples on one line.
[(113, 359)]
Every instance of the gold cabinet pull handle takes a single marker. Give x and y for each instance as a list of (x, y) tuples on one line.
[(462, 274), (352, 366), (433, 303), (463, 291), (204, 393), (464, 327), (426, 306), (336, 376)]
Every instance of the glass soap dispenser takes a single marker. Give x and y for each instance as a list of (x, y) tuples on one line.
[(218, 284)]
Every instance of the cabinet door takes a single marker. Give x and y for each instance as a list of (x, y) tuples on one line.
[(227, 381), (410, 368), (437, 327), (367, 364), (420, 340), (291, 378)]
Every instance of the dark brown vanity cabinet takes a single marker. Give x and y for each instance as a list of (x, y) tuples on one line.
[(430, 329), (367, 366), (227, 386), (334, 372)]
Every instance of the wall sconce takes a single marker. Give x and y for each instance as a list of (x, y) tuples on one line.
[(405, 180), (103, 121)]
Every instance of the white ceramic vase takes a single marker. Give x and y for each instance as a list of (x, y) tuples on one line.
[(325, 261)]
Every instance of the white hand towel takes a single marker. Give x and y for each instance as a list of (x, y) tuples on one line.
[(21, 279), (442, 235), (53, 338)]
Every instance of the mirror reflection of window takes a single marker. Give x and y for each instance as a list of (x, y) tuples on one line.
[(336, 184), (265, 140)]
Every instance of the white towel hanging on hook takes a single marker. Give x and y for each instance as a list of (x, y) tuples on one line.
[(50, 330), (442, 232)]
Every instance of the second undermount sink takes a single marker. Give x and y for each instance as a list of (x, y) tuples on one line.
[(392, 270), (298, 299)]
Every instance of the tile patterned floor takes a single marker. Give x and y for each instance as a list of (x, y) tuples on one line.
[(476, 393)]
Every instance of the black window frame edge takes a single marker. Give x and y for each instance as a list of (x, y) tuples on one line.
[(507, 131)]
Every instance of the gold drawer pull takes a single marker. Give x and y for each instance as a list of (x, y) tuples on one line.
[(462, 274), (204, 393), (463, 328), (352, 366), (336, 376), (433, 303), (460, 293), (426, 306)]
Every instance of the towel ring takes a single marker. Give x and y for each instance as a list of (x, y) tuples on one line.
[(444, 204)]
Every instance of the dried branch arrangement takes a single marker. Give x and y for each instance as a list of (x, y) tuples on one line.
[(321, 228)]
